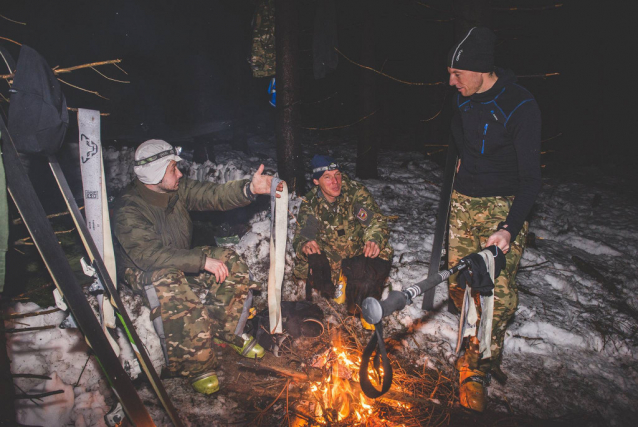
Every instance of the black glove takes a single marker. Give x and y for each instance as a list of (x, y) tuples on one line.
[(477, 276)]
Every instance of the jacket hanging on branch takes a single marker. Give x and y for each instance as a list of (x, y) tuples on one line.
[(36, 97), (263, 54)]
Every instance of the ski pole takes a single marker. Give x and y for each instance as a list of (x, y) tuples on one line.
[(374, 310)]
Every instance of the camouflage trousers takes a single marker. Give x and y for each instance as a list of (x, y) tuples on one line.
[(472, 221), (189, 324)]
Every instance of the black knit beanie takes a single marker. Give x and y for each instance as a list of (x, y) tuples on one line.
[(475, 51)]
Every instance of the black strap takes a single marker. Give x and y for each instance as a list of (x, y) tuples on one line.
[(376, 343)]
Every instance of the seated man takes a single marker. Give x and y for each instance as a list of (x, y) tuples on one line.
[(154, 255), (340, 219)]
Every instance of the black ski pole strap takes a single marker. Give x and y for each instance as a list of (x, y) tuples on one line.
[(376, 343)]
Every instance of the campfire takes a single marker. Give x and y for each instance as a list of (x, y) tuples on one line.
[(324, 389), (337, 398)]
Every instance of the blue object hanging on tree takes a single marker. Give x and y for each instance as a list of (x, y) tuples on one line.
[(272, 92)]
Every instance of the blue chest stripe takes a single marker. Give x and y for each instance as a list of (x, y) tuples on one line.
[(484, 133)]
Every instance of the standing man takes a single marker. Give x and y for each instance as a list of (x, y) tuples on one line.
[(496, 128), (339, 218), (154, 254)]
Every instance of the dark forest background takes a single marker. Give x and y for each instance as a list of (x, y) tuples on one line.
[(186, 62)]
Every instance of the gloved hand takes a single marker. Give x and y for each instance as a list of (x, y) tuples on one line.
[(477, 276)]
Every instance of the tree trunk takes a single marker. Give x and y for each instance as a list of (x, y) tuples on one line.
[(289, 159), (368, 143)]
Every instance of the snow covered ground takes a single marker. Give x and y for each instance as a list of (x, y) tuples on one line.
[(571, 349)]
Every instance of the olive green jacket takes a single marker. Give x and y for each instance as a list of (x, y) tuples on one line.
[(154, 230), (341, 228)]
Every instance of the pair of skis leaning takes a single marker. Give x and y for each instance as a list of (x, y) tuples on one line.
[(34, 217)]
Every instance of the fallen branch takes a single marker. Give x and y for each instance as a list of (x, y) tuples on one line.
[(37, 396), (33, 314), (314, 374), (35, 328), (264, 392), (37, 377)]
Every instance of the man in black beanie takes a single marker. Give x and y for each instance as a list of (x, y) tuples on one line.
[(496, 129)]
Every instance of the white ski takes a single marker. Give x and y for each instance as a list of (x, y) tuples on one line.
[(96, 203)]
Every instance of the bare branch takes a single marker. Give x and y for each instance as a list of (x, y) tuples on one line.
[(527, 9), (437, 114), (387, 75), (121, 69), (109, 78), (531, 76), (19, 220), (11, 20), (75, 110), (91, 65), (57, 70), (429, 7), (343, 126), (552, 137), (85, 90), (9, 40)]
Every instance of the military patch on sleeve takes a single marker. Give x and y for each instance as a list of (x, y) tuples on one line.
[(364, 216)]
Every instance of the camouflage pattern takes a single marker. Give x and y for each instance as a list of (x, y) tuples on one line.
[(342, 228), (154, 233), (262, 57), (472, 221), (154, 230), (189, 324)]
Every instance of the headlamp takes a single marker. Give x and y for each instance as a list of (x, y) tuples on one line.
[(330, 167), (175, 151)]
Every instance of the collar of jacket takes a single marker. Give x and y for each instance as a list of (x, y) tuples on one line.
[(161, 200), (505, 77)]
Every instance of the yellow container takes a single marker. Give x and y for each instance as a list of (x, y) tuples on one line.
[(340, 294)]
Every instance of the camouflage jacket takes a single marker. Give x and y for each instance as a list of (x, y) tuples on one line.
[(341, 228), (262, 55), (154, 230)]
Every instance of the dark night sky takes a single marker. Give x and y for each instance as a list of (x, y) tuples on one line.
[(179, 56)]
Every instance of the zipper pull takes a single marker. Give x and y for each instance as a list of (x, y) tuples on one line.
[(494, 115)]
